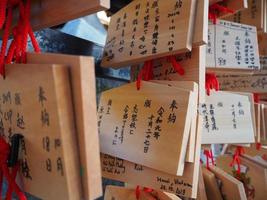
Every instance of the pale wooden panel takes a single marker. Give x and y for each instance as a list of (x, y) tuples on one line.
[(249, 170), (47, 13), (150, 139), (187, 85), (201, 192), (123, 193), (39, 100), (133, 36), (200, 34), (125, 171), (232, 46), (253, 15), (255, 83), (262, 38), (227, 119), (212, 189), (230, 187), (82, 71)]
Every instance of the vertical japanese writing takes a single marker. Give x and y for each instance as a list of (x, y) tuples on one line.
[(142, 47), (155, 33), (133, 119), (134, 24), (172, 16)]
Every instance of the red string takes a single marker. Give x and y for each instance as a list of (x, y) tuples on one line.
[(176, 66), (236, 158), (211, 82), (3, 6), (5, 41), (209, 156), (258, 146), (146, 73), (215, 9), (18, 48), (138, 191), (256, 98), (4, 172), (147, 70)]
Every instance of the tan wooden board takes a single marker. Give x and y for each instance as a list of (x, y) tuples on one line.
[(227, 119), (201, 192), (126, 193), (155, 133), (255, 83), (200, 34), (212, 188), (125, 171), (147, 30), (262, 39), (82, 73), (263, 61), (187, 85), (232, 46), (230, 187), (37, 99), (252, 173), (48, 13), (253, 16)]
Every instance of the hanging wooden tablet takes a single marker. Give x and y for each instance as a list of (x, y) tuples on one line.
[(36, 102), (232, 46), (187, 85), (212, 188), (145, 30), (230, 187), (125, 193), (48, 13), (262, 39), (138, 126), (227, 119), (253, 176), (201, 191), (129, 172), (263, 61), (82, 73), (263, 127), (253, 15), (200, 34), (254, 83)]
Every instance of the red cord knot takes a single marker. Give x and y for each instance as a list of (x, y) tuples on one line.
[(211, 83), (256, 98), (209, 157), (215, 9), (138, 191), (258, 146), (236, 158), (145, 73)]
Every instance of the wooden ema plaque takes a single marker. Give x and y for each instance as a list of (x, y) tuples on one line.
[(254, 83), (232, 46), (262, 39), (253, 175), (129, 172), (123, 193), (253, 15), (48, 13), (187, 85), (230, 187), (227, 119), (82, 73), (146, 30), (144, 128), (36, 102)]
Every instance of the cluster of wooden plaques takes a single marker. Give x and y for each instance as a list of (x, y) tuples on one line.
[(151, 138)]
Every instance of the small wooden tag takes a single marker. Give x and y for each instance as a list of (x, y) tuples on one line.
[(227, 119)]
